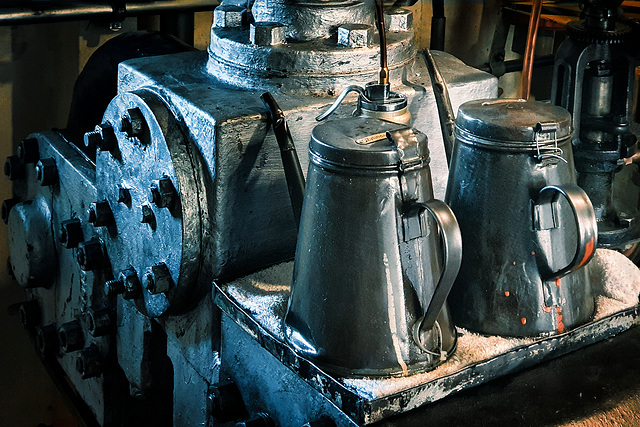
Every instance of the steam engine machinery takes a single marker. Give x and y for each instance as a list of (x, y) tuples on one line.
[(157, 251)]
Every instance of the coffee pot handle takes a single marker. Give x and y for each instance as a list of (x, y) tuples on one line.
[(452, 258), (585, 219)]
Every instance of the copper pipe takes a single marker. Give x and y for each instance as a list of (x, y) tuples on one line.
[(384, 69), (532, 35)]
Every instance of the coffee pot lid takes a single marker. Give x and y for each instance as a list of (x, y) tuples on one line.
[(512, 123), (363, 142)]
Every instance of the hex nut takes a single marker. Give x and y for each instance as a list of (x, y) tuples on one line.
[(124, 196), (103, 138), (133, 123), (28, 150), (224, 401), (71, 336), (398, 20), (355, 35), (47, 172), (7, 205), (47, 339), (89, 362), (228, 16), (99, 321), (90, 255), (267, 33), (163, 193), (71, 233), (100, 214), (148, 217), (14, 168), (159, 279), (30, 315), (131, 282)]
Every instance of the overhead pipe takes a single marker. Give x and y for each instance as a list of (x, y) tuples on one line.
[(82, 11)]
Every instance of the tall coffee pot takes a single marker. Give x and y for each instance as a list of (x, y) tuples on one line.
[(376, 255), (527, 228)]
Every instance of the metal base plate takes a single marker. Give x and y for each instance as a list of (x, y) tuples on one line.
[(257, 303)]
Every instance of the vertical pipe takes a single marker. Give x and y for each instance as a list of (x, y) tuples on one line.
[(532, 36), (438, 24), (384, 69)]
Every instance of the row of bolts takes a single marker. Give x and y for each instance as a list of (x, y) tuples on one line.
[(70, 336)]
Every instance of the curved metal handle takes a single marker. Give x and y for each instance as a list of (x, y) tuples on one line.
[(585, 219), (338, 101), (452, 258)]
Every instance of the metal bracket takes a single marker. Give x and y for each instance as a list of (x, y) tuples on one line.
[(547, 156)]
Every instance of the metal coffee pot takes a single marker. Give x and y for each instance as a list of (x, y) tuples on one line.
[(527, 228), (376, 255)]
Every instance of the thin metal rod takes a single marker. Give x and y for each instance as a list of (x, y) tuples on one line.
[(443, 102), (290, 162), (81, 11), (532, 35), (384, 69)]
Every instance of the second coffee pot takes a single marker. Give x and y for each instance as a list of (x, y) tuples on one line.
[(527, 228)]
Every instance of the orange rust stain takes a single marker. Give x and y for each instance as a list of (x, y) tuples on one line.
[(559, 317), (558, 282), (533, 253), (506, 294), (547, 309), (588, 252), (523, 320), (514, 263)]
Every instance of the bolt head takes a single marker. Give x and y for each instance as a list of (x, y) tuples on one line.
[(148, 217), (47, 172), (107, 141), (71, 233), (71, 336), (159, 279), (7, 205), (124, 196), (131, 282), (133, 123), (398, 20), (99, 321), (89, 362), (355, 35), (228, 16), (47, 339), (14, 168), (28, 150), (267, 33), (100, 214), (163, 193), (30, 314), (89, 255)]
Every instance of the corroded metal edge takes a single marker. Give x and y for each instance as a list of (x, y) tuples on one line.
[(514, 360), (365, 411)]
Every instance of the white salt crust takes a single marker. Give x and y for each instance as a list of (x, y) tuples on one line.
[(614, 280)]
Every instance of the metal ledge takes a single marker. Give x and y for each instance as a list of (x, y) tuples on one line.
[(365, 400)]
